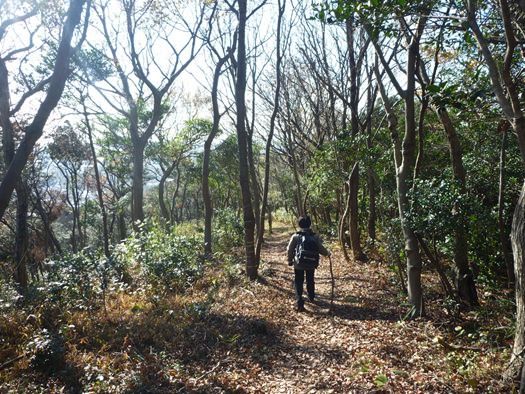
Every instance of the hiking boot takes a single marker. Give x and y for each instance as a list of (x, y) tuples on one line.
[(300, 305), (300, 308)]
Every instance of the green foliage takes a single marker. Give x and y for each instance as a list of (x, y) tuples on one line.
[(437, 206), (68, 148), (46, 352), (168, 261), (93, 62), (77, 279), (228, 231)]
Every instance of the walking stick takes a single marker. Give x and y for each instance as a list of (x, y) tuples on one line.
[(333, 284)]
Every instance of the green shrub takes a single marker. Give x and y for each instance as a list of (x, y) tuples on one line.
[(165, 259), (77, 278), (228, 231)]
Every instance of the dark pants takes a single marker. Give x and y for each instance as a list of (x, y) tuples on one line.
[(299, 281)]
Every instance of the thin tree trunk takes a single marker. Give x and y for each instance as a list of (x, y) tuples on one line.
[(404, 164), (404, 173), (447, 287), (355, 241), (299, 194), (21, 239), (421, 136), (372, 214), (244, 176), (254, 182), (180, 217), (206, 193), (504, 238), (266, 184), (270, 219), (464, 279), (162, 188), (45, 220), (137, 203), (353, 182), (342, 226), (121, 220), (100, 194)]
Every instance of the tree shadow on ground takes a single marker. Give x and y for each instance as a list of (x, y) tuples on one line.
[(158, 342), (361, 308), (284, 274)]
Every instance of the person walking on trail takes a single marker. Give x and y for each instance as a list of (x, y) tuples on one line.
[(303, 251)]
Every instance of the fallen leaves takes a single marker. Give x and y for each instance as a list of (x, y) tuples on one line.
[(250, 339)]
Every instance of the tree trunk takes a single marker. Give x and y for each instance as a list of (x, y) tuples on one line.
[(100, 194), (270, 219), (355, 241), (372, 215), (180, 216), (503, 237), (353, 205), (254, 183), (137, 204), (404, 162), (54, 92), (55, 245), (121, 220), (21, 238), (244, 176), (266, 184), (518, 249), (342, 226), (76, 209), (162, 188), (206, 193), (464, 279), (8, 142), (404, 173)]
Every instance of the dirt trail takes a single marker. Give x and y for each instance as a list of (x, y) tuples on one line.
[(361, 346)]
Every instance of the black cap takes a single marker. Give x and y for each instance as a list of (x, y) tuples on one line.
[(304, 222)]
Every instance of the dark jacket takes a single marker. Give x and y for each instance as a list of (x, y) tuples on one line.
[(296, 238)]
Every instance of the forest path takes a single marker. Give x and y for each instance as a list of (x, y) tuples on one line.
[(361, 346)]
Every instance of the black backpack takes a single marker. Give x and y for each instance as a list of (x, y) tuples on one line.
[(306, 252)]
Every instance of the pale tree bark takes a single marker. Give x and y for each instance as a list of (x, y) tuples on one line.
[(405, 168), (164, 212), (22, 203), (98, 183), (505, 88), (465, 283), (343, 223), (518, 248), (206, 193)]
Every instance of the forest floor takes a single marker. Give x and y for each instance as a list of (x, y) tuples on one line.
[(246, 337)]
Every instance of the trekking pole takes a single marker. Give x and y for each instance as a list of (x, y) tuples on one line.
[(333, 284)]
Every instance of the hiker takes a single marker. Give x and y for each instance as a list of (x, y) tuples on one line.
[(303, 253)]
